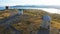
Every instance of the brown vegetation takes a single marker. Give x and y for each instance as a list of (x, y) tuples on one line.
[(31, 18)]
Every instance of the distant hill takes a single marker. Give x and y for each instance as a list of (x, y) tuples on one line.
[(34, 6)]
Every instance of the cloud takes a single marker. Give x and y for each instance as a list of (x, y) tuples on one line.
[(29, 2), (8, 2)]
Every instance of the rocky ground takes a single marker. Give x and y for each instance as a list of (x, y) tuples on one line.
[(29, 21)]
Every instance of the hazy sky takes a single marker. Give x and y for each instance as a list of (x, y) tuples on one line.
[(32, 2), (29, 2)]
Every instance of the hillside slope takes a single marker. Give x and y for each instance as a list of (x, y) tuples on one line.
[(29, 17)]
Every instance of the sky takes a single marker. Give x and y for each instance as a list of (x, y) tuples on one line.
[(33, 2), (29, 2)]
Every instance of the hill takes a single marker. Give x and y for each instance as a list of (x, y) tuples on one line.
[(30, 16)]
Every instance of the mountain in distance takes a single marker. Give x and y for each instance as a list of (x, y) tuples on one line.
[(34, 6), (30, 6)]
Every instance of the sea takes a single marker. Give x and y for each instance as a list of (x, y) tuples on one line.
[(48, 9)]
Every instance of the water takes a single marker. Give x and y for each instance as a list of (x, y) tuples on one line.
[(28, 7), (2, 8), (50, 9)]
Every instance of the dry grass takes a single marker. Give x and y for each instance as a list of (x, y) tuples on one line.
[(7, 13), (34, 17), (55, 24)]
